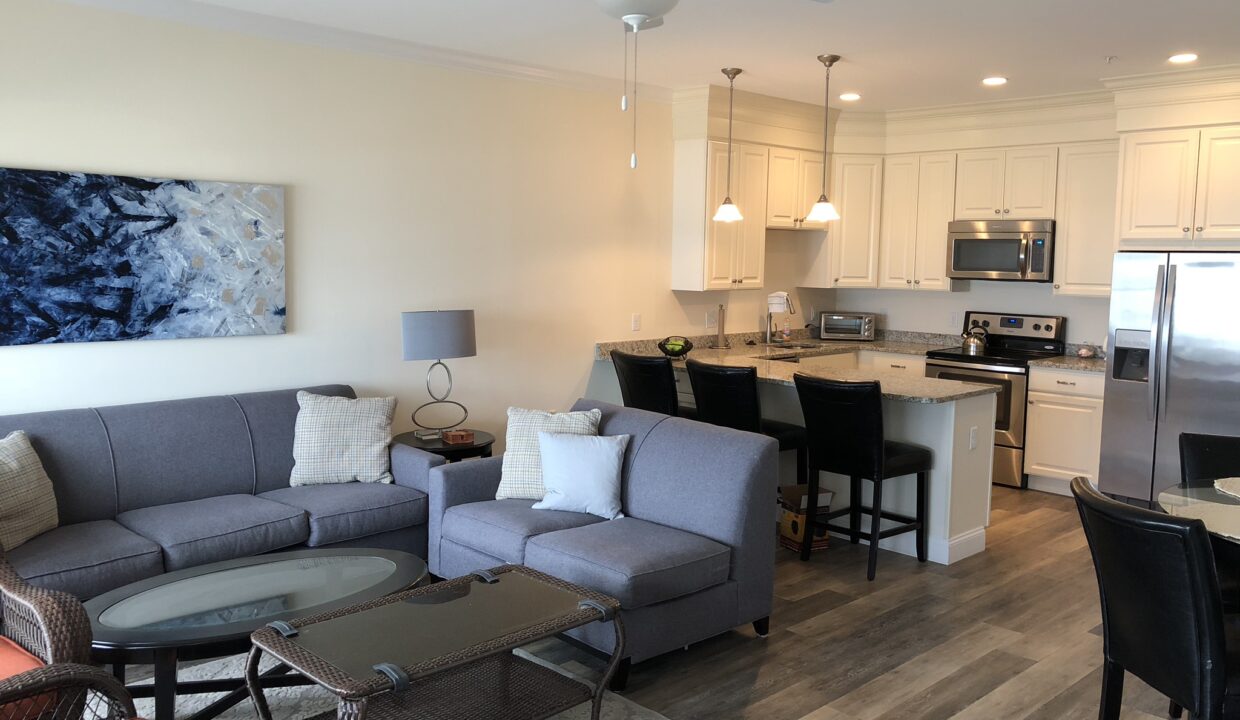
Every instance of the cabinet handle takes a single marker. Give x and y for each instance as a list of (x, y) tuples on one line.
[(1187, 229), (916, 282), (1030, 402), (996, 211), (910, 282), (1005, 210), (1199, 228), (1056, 286), (837, 280), (1065, 382), (899, 367)]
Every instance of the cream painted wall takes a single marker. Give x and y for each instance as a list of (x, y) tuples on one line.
[(408, 187)]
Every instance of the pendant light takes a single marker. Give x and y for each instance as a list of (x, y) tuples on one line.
[(636, 15), (728, 212), (823, 210)]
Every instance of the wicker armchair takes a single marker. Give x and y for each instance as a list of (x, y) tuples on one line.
[(53, 627)]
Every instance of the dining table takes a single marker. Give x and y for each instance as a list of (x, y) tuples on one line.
[(1204, 501)]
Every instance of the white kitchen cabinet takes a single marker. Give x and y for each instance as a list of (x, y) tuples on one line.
[(1180, 189), (1216, 215), (794, 183), (857, 183), (709, 255), (1085, 218), (1010, 184), (914, 365), (1063, 427), (918, 196), (1158, 184)]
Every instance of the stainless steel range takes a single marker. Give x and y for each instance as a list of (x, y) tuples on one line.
[(1012, 341)]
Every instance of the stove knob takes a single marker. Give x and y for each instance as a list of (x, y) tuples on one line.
[(1036, 327), (1049, 328), (985, 323), (976, 323)]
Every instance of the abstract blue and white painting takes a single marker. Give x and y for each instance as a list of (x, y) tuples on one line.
[(106, 257)]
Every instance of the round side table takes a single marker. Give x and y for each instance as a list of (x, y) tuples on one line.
[(480, 447)]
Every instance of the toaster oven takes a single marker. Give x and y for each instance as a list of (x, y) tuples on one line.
[(846, 326)]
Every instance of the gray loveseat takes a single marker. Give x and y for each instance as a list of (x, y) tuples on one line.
[(154, 487), (693, 557)]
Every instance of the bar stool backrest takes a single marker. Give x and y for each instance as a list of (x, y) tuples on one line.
[(646, 382), (844, 425), (726, 396)]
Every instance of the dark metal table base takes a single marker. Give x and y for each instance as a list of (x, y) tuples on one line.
[(165, 688)]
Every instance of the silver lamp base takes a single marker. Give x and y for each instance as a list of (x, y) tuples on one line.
[(434, 431)]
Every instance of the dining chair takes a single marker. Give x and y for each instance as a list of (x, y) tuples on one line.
[(1204, 459), (647, 382), (844, 421), (728, 396), (1162, 615)]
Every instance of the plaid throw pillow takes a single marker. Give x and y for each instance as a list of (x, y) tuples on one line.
[(339, 440), (521, 476), (27, 501)]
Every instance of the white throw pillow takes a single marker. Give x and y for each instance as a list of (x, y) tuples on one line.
[(339, 440), (27, 500), (521, 474), (582, 473)]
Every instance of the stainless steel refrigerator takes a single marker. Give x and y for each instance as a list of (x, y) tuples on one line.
[(1173, 365)]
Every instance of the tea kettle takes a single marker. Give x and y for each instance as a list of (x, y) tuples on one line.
[(974, 340)]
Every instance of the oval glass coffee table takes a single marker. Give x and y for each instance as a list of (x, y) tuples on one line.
[(209, 612)]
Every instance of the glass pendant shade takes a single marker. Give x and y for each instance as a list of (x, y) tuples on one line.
[(823, 211), (728, 212)]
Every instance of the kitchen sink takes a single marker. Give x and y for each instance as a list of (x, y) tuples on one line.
[(784, 358), (791, 346)]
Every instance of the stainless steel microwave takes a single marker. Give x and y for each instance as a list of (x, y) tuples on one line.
[(846, 326), (1001, 250)]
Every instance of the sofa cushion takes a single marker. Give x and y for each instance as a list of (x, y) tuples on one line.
[(349, 511), (87, 559), (218, 528), (637, 562), (500, 528)]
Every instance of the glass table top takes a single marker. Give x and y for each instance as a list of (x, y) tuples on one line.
[(1218, 510), (238, 596)]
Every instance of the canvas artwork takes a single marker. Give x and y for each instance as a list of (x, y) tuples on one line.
[(107, 257)]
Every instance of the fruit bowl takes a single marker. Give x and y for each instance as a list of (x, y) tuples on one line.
[(675, 346)]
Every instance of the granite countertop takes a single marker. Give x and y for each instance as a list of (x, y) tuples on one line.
[(1072, 362), (815, 361)]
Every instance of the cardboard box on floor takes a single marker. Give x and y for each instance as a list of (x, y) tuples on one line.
[(793, 500)]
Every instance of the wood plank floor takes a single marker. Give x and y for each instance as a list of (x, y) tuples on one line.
[(1011, 633)]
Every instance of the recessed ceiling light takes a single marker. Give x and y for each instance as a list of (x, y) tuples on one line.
[(994, 81), (850, 97), (1182, 58)]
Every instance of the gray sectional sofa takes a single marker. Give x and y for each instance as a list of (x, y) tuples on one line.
[(154, 487), (693, 557)]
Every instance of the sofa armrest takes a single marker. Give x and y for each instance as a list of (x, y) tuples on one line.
[(456, 484), (411, 467)]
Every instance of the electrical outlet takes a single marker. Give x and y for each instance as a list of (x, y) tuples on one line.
[(712, 318), (955, 320), (973, 438), (636, 322)]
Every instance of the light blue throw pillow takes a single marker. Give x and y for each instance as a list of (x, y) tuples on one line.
[(582, 473)]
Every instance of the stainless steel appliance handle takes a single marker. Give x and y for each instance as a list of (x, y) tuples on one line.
[(1164, 344), (1024, 255), (976, 366), (1151, 382)]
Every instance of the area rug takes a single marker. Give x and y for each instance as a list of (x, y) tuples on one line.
[(297, 703)]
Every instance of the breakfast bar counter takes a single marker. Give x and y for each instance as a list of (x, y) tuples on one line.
[(954, 419)]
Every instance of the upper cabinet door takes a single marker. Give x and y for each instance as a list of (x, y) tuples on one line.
[(935, 200), (1029, 183), (856, 188), (810, 188), (1158, 178), (783, 191), (1217, 216), (979, 185), (1085, 218), (722, 239), (899, 222), (749, 173)]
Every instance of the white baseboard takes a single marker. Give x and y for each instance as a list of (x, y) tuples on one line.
[(940, 550), (1055, 486)]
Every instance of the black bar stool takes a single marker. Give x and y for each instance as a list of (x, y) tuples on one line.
[(647, 382), (844, 421), (728, 396), (1204, 459)]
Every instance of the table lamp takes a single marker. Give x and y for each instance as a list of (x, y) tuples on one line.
[(435, 335)]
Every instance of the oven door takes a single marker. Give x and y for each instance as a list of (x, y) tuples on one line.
[(1009, 406), (988, 256), (846, 327)]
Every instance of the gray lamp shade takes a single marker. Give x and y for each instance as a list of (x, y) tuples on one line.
[(438, 334)]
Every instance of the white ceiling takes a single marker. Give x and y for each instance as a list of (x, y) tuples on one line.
[(897, 53)]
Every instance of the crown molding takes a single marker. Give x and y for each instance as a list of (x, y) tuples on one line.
[(186, 12), (1174, 78)]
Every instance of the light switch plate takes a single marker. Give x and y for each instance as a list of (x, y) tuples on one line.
[(637, 322), (712, 318)]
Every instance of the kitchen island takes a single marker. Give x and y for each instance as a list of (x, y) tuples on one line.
[(955, 420)]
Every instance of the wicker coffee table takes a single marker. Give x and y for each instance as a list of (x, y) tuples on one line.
[(443, 650)]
